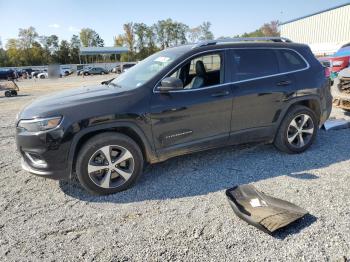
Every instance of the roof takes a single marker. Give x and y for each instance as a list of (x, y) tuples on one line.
[(241, 39), (319, 12), (103, 50)]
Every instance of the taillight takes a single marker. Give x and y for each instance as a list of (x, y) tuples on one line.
[(337, 63)]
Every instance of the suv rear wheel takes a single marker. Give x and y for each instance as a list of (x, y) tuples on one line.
[(109, 163), (297, 130)]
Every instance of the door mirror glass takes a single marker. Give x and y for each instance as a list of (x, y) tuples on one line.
[(170, 83)]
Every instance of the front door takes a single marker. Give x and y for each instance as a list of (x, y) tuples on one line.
[(197, 116)]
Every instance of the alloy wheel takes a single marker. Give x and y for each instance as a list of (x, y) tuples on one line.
[(111, 166), (300, 131)]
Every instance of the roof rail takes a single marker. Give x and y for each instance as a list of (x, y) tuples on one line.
[(241, 39)]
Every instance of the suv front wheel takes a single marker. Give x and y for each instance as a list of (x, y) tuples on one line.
[(297, 130), (109, 163)]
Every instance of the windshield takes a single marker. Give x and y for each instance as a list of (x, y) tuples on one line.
[(146, 69)]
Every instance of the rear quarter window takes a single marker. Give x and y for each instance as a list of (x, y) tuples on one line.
[(291, 61)]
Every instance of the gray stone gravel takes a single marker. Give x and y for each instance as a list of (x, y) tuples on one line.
[(178, 210)]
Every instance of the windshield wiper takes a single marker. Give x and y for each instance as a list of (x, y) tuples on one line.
[(114, 84)]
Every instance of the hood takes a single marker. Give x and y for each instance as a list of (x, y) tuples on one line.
[(54, 104)]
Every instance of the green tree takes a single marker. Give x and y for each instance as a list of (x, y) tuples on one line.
[(267, 29), (151, 40), (194, 34), (74, 49), (206, 34), (170, 33), (129, 39), (63, 52), (145, 40), (270, 29), (37, 54), (3, 57), (140, 30), (50, 45), (14, 53), (27, 37), (89, 37)]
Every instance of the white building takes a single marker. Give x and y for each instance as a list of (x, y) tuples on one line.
[(325, 31)]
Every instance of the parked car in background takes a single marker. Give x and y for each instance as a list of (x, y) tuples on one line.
[(127, 66), (81, 71), (43, 75), (122, 67), (178, 101), (65, 71), (8, 74), (35, 73), (95, 71), (340, 60)]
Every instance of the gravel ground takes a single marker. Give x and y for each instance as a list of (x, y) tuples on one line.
[(178, 210)]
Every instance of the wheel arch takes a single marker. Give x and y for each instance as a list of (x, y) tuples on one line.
[(312, 102), (128, 129)]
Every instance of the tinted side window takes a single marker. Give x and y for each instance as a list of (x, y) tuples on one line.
[(291, 61), (252, 63)]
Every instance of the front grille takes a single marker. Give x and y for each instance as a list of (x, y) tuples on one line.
[(344, 85)]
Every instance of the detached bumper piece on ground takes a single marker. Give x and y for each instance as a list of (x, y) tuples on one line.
[(336, 124), (264, 212)]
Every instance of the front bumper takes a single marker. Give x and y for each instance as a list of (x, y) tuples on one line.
[(44, 154), (57, 175)]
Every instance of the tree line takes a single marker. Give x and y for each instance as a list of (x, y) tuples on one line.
[(142, 40)]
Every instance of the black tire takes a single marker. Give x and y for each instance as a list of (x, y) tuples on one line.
[(86, 74), (281, 139), (13, 93), (92, 146), (7, 93), (102, 73)]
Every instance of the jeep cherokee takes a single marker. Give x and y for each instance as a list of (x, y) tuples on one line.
[(177, 101)]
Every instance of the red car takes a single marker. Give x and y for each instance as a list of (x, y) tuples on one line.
[(341, 58), (339, 63)]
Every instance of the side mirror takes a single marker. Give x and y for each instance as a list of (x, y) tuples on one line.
[(170, 83)]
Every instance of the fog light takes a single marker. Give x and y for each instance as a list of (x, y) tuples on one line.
[(36, 160)]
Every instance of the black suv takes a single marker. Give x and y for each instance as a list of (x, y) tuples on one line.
[(177, 101)]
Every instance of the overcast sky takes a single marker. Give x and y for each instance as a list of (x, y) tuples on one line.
[(106, 17)]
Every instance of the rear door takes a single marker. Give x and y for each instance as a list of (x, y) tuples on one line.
[(259, 88)]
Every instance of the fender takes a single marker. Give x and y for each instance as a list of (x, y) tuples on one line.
[(149, 149)]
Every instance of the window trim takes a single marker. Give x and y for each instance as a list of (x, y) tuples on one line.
[(155, 91)]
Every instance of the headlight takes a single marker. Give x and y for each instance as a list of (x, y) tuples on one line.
[(39, 124)]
